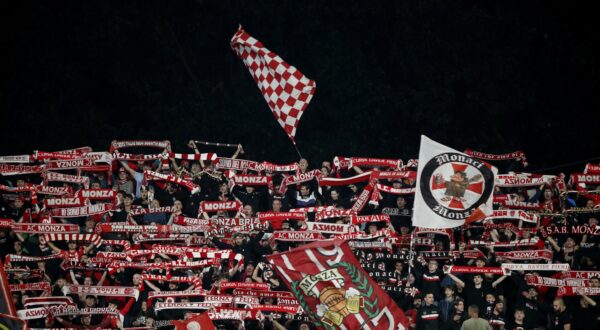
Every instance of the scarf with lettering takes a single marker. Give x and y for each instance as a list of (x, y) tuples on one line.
[(575, 291), (64, 202), (453, 269), (492, 157), (298, 178), (244, 285), (63, 310), (537, 267), (215, 206), (36, 286), (395, 191), (581, 274), (252, 180), (10, 169), (104, 291), (555, 282), (523, 180), (514, 214), (370, 218), (296, 236), (526, 255), (82, 211), (335, 213), (151, 175), (60, 177), (39, 228)]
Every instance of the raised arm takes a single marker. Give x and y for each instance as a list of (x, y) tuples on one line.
[(459, 282), (498, 281)]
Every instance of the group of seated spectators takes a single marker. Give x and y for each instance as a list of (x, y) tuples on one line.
[(419, 280)]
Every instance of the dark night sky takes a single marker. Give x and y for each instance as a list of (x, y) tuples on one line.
[(494, 76)]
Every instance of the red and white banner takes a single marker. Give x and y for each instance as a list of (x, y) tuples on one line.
[(323, 275), (286, 90), (452, 187)]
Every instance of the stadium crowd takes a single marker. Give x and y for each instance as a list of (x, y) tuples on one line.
[(155, 249)]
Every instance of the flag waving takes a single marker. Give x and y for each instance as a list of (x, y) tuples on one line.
[(334, 290), (286, 90), (452, 187)]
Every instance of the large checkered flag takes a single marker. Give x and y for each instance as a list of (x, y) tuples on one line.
[(286, 90)]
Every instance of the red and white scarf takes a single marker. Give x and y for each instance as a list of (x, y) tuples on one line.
[(330, 228), (527, 255), (104, 291), (514, 214), (523, 180), (537, 267), (82, 211), (592, 168), (36, 286), (203, 157), (370, 218), (41, 228), (60, 177), (18, 159), (264, 294), (335, 213), (215, 206), (151, 175), (244, 285), (64, 202), (581, 274), (453, 269), (555, 282), (296, 236), (96, 194), (575, 291), (395, 191), (10, 169), (92, 238)]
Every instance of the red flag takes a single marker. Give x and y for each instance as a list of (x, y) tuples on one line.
[(334, 290), (198, 322), (286, 90)]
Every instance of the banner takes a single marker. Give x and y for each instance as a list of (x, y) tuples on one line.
[(452, 188), (332, 288)]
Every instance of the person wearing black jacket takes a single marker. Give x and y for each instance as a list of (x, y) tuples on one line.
[(428, 317), (240, 246), (430, 279)]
